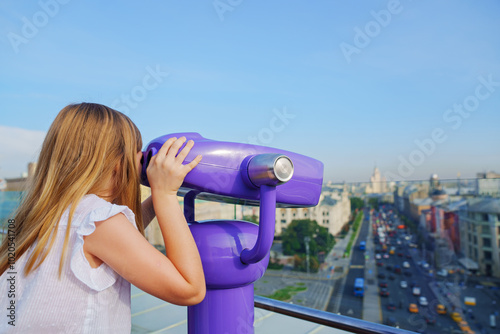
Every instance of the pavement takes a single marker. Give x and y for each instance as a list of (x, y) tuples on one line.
[(371, 301), (320, 286)]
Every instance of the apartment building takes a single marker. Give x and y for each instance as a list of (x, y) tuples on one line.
[(480, 234), (332, 212)]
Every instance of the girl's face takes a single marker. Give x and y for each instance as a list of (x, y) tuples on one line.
[(138, 158)]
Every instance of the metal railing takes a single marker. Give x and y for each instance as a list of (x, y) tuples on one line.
[(337, 321)]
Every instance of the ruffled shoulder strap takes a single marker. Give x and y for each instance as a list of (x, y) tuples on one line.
[(102, 277)]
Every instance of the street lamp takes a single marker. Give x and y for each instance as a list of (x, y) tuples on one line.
[(306, 240)]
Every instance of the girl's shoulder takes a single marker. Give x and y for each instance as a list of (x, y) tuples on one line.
[(92, 208)]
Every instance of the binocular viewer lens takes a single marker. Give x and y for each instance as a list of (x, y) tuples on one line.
[(270, 169)]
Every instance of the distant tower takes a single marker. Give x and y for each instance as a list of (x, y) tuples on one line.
[(377, 183), (433, 183), (458, 183)]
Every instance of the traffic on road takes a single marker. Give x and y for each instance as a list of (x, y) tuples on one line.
[(414, 295)]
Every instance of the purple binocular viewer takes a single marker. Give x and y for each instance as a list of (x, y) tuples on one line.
[(233, 172), (235, 253)]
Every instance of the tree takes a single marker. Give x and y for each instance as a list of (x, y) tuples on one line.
[(253, 219), (293, 238), (373, 202), (356, 203), (300, 263)]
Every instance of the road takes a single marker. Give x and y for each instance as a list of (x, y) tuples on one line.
[(350, 305), (332, 288)]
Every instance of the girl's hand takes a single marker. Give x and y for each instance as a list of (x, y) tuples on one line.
[(166, 171)]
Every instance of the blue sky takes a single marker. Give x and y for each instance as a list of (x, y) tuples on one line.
[(412, 87)]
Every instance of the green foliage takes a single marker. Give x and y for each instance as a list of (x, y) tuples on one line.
[(286, 293), (274, 265), (345, 229), (373, 202), (355, 227), (356, 203), (320, 240), (300, 263), (252, 219), (293, 238)]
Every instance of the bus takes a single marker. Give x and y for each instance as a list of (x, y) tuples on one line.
[(359, 287), (362, 245)]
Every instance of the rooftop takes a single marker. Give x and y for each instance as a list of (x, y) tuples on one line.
[(486, 205), (152, 315)]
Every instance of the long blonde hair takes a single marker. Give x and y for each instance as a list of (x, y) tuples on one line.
[(86, 146)]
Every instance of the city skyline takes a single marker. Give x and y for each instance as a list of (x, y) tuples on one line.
[(410, 87)]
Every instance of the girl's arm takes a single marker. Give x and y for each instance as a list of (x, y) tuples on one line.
[(148, 211), (177, 278)]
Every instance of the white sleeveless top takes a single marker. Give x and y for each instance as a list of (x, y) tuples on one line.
[(85, 299)]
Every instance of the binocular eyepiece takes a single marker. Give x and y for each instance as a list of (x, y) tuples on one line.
[(269, 169)]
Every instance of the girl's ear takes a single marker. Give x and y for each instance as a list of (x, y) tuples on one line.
[(116, 169)]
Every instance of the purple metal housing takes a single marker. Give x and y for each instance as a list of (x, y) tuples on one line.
[(221, 175), (235, 254)]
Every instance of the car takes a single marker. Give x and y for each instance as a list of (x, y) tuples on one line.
[(380, 264), (430, 319), (425, 265), (384, 292), (381, 275), (416, 291), (440, 309), (388, 266), (397, 269), (413, 308), (386, 256), (456, 316), (392, 277), (442, 273), (400, 254), (382, 284), (378, 256), (408, 256), (423, 301), (407, 273), (391, 306), (403, 284), (391, 321), (464, 326), (406, 264)]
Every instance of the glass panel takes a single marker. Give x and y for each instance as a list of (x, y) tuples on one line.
[(402, 254)]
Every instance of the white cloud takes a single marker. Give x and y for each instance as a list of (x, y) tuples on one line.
[(18, 147)]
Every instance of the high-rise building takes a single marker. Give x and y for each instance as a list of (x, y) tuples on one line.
[(480, 234), (378, 183)]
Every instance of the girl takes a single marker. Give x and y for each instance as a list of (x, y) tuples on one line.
[(79, 231)]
